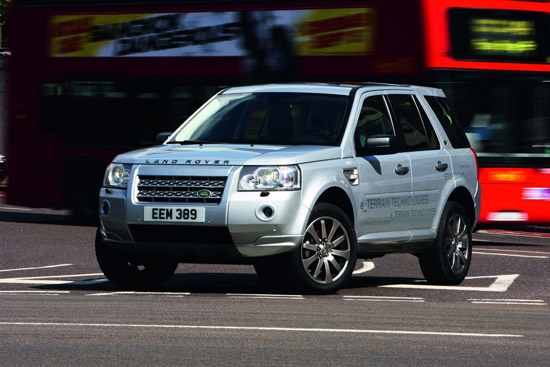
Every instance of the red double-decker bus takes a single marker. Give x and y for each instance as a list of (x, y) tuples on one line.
[(493, 59), (89, 79)]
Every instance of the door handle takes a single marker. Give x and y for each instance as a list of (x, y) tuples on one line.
[(401, 170), (441, 166)]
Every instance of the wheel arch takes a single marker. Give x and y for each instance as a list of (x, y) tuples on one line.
[(338, 197), (462, 196)]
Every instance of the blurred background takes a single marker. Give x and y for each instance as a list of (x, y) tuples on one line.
[(84, 80)]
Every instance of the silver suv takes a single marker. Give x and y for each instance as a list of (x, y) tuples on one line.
[(299, 180)]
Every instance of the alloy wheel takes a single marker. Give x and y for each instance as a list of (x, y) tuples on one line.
[(457, 243), (325, 250)]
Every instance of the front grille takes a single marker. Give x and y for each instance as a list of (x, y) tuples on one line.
[(180, 189)]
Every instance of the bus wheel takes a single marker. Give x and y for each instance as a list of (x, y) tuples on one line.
[(326, 258), (449, 259), (131, 272)]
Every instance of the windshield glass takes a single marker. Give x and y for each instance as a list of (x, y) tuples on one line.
[(268, 118)]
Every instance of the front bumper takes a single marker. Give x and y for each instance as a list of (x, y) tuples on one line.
[(243, 225)]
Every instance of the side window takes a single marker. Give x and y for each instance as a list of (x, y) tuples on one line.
[(454, 131), (374, 119), (433, 143), (410, 122)]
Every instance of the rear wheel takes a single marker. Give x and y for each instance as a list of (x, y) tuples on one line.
[(132, 272), (326, 258), (449, 259)]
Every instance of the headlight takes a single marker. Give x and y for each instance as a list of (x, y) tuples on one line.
[(270, 178), (117, 175)]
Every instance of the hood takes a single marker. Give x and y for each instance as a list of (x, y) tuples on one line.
[(229, 155)]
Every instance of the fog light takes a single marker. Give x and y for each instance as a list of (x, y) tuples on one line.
[(268, 211), (265, 213)]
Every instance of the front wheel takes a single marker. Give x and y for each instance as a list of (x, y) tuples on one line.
[(132, 272), (326, 257), (449, 259)]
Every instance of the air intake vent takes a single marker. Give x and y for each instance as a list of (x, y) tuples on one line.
[(352, 175)]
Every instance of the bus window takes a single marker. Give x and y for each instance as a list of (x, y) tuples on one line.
[(51, 108), (96, 114)]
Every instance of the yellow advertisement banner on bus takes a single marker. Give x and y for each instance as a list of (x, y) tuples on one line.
[(348, 31)]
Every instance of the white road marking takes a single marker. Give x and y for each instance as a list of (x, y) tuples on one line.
[(261, 328), (501, 284), (266, 296), (367, 266), (55, 279), (30, 293), (510, 255), (518, 251), (36, 268), (514, 233), (384, 299), (531, 302), (125, 293)]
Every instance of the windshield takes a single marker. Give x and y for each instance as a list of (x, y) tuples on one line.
[(268, 118)]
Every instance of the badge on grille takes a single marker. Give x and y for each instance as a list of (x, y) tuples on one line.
[(204, 193)]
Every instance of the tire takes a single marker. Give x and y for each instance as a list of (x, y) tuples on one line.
[(325, 260), (132, 272), (448, 261)]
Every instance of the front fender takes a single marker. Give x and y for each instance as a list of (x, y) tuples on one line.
[(318, 177)]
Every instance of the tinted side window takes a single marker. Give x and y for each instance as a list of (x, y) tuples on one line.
[(410, 122), (454, 131), (430, 132), (374, 119)]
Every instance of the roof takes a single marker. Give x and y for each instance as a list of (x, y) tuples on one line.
[(329, 88)]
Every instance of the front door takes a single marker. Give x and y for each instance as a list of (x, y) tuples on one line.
[(385, 179), (430, 164)]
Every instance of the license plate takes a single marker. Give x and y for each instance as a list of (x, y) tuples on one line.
[(173, 214)]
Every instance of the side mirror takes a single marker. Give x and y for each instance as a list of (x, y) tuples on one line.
[(161, 137), (378, 145)]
